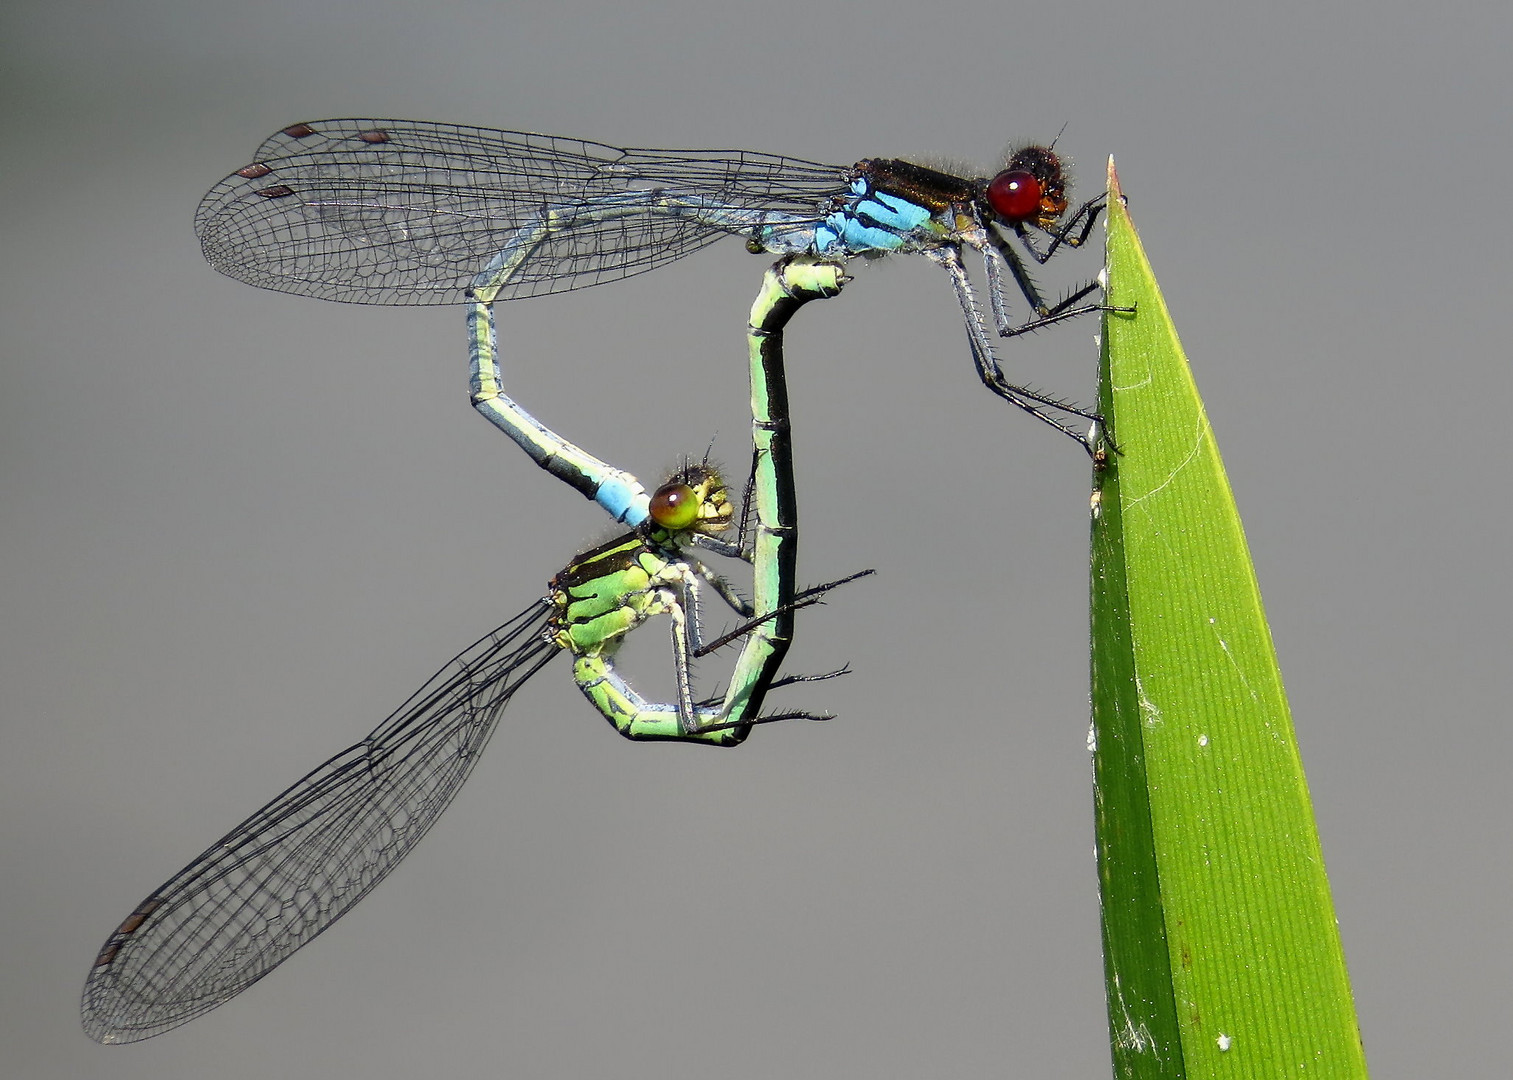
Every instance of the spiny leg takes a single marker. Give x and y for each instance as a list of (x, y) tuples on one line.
[(1001, 252), (1041, 406), (1088, 210), (814, 594)]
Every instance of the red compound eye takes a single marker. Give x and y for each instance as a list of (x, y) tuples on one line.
[(1015, 195), (674, 506)]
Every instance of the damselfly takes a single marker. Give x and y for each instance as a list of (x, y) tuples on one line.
[(294, 867), (408, 212)]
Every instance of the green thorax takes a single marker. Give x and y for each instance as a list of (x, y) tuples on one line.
[(606, 593)]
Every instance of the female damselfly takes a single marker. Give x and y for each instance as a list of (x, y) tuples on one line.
[(293, 868)]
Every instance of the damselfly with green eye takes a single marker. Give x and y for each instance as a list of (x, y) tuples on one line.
[(408, 212), (292, 869)]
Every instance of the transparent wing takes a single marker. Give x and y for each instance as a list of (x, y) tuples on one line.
[(406, 212), (297, 865)]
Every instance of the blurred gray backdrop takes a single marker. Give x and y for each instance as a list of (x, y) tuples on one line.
[(240, 527)]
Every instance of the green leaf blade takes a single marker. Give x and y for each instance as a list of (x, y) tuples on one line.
[(1221, 950)]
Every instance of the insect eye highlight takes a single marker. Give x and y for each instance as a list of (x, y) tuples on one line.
[(1015, 195), (674, 506)]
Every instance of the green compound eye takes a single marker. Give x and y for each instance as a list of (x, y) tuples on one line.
[(675, 506)]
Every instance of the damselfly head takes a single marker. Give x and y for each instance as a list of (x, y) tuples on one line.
[(693, 499), (1031, 190)]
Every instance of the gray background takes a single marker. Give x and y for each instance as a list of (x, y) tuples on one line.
[(240, 527)]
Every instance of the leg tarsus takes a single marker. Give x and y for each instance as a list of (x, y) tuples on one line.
[(789, 680), (771, 718), (806, 598), (1091, 209)]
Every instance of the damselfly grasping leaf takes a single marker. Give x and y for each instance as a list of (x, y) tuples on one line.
[(408, 212)]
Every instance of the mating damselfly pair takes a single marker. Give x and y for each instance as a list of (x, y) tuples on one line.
[(396, 212)]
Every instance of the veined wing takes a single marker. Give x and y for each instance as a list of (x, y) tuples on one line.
[(297, 865), (407, 212)]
